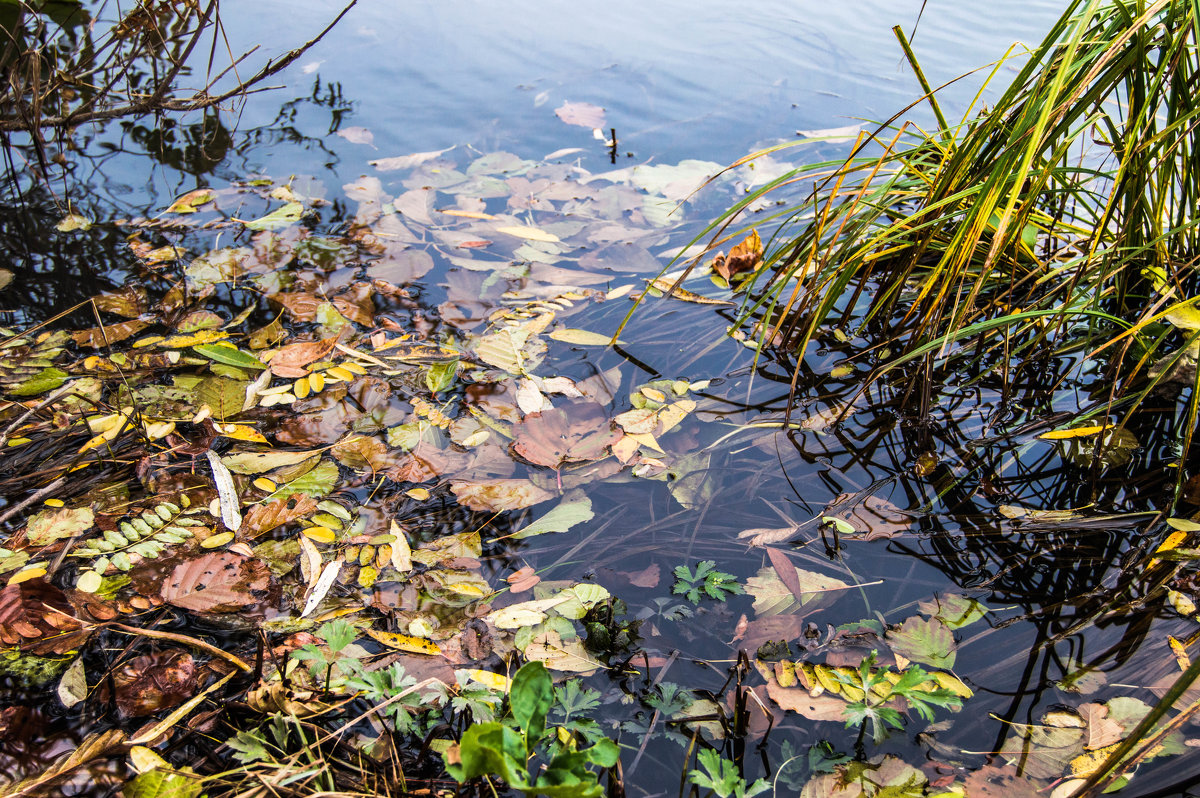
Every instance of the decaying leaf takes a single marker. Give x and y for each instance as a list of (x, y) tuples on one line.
[(772, 596), (581, 114), (499, 494), (578, 432), (51, 525), (924, 640), (35, 616), (150, 683), (262, 518), (742, 259), (217, 582)]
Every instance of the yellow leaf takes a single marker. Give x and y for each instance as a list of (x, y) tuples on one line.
[(582, 337), (319, 533), (241, 432), (401, 642), (494, 681), (467, 214), (193, 339), (529, 233), (1074, 432), (24, 575), (420, 494), (217, 540), (265, 485)]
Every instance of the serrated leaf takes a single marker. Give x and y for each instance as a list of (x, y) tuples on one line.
[(51, 525), (928, 641)]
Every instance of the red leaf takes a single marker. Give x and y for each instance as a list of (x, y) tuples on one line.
[(579, 432)]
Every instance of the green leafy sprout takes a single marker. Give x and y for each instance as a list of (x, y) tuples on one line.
[(706, 580), (878, 690)]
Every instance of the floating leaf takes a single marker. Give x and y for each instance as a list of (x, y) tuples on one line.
[(772, 596), (281, 217), (928, 641), (231, 514), (575, 508), (192, 200), (499, 494), (51, 525), (321, 586), (216, 582), (261, 462), (401, 642), (229, 355), (582, 337), (316, 482), (954, 610), (581, 114), (578, 432), (529, 233), (549, 649)]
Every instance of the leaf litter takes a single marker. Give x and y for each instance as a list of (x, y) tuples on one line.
[(269, 470)]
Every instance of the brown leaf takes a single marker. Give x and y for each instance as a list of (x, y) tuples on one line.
[(356, 305), (875, 517), (129, 301), (647, 577), (991, 781), (289, 360), (97, 337), (499, 494), (582, 114), (361, 452), (1101, 729), (578, 432), (147, 684), (521, 580), (797, 699), (36, 616), (92, 747), (741, 259), (301, 305), (218, 582), (786, 572), (262, 518)]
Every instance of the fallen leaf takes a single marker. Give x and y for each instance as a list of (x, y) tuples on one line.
[(549, 649), (581, 114), (217, 582), (262, 518), (499, 494), (582, 337), (261, 462), (288, 361), (51, 525), (578, 432), (407, 161), (150, 683), (743, 258), (924, 640), (575, 508), (357, 135), (797, 699), (528, 233), (772, 596)]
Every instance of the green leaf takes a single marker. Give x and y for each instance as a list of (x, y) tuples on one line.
[(530, 697), (281, 217), (490, 748), (954, 610), (229, 355), (317, 482), (928, 641), (440, 376), (42, 382), (162, 784), (575, 508)]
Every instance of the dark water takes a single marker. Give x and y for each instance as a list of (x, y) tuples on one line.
[(708, 81)]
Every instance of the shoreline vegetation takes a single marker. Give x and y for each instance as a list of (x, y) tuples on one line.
[(278, 523)]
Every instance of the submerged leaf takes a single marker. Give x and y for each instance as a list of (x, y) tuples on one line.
[(578, 432), (575, 508)]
